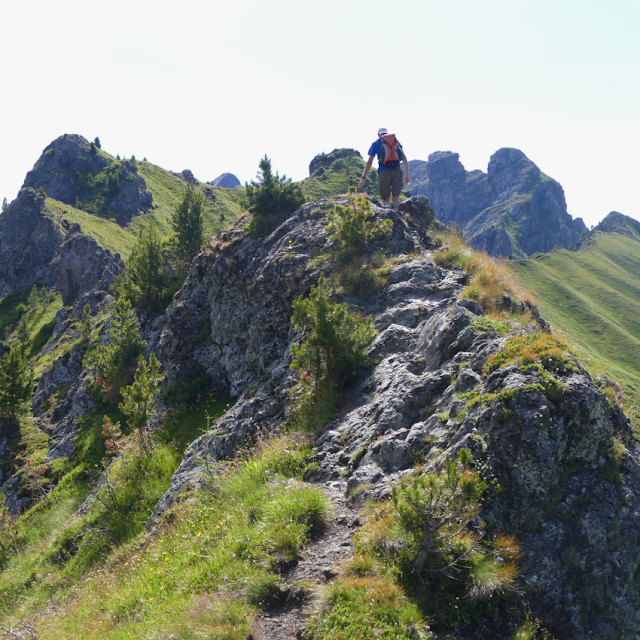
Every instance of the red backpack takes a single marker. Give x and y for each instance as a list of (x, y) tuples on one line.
[(390, 151)]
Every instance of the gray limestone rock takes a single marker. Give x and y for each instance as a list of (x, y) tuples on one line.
[(550, 447), (513, 209), (65, 166), (37, 244)]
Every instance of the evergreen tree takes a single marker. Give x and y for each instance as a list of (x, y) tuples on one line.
[(269, 199), (97, 142), (139, 398), (336, 342), (188, 224), (145, 269), (5, 205), (85, 322), (16, 384), (111, 363)]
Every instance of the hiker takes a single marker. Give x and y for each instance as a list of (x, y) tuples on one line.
[(390, 153)]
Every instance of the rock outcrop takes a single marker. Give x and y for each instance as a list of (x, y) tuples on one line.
[(72, 170), (616, 222), (226, 181), (38, 245), (512, 210), (563, 471), (323, 161)]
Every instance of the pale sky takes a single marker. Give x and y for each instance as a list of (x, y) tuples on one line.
[(213, 86)]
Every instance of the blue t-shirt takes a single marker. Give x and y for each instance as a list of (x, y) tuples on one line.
[(375, 150)]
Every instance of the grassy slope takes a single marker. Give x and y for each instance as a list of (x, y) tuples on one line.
[(593, 297), (167, 191), (337, 179)]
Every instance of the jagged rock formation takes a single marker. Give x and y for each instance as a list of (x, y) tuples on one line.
[(619, 223), (512, 210), (566, 490), (37, 244), (187, 176), (67, 171), (226, 181), (232, 316)]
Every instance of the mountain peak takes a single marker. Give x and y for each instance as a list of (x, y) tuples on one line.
[(512, 210), (74, 171), (616, 222)]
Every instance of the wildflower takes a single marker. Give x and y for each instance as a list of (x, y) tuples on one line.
[(234, 555), (226, 579)]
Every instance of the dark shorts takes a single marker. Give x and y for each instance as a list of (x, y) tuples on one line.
[(390, 182)]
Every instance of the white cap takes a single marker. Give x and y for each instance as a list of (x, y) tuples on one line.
[(381, 131)]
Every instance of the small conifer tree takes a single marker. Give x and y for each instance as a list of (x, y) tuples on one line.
[(333, 350), (139, 398), (97, 142), (188, 224), (85, 321), (5, 205), (146, 267), (336, 342), (269, 199), (111, 363), (16, 384)]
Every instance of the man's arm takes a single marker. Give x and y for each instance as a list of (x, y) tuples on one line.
[(406, 167), (366, 172)]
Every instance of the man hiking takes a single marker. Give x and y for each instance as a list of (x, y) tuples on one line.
[(390, 154)]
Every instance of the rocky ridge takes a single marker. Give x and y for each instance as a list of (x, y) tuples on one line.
[(566, 468), (512, 210), (565, 463), (38, 245), (66, 171), (616, 222)]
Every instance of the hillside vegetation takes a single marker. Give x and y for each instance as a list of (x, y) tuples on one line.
[(593, 297), (331, 174), (345, 424), (221, 209)]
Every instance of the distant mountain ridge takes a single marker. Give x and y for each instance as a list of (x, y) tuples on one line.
[(512, 210)]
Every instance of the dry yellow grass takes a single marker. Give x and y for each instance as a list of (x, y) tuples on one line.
[(489, 278)]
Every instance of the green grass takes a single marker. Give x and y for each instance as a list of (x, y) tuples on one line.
[(592, 296), (167, 191), (12, 307), (202, 574), (107, 233), (343, 172)]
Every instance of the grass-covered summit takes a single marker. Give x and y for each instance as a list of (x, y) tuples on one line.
[(331, 174), (113, 198)]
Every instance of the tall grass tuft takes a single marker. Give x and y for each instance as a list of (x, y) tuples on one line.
[(489, 278)]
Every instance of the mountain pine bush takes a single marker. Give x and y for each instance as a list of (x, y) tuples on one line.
[(269, 199)]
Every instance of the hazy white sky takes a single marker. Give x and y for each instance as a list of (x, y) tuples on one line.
[(213, 86)]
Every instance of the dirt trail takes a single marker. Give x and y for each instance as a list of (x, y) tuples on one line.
[(317, 566)]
